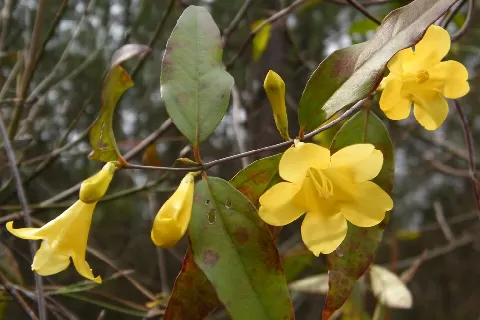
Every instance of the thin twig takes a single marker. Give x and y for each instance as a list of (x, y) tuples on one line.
[(442, 222), (213, 163), (471, 155), (11, 77), (468, 20), (17, 297), (49, 78), (6, 14), (22, 197), (233, 25), (30, 67), (364, 11), (450, 14), (153, 39), (53, 27), (437, 252), (252, 34)]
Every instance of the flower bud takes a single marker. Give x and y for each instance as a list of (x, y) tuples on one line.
[(172, 219), (275, 89), (94, 188)]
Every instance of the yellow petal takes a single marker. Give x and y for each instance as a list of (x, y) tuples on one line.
[(24, 233), (275, 88), (393, 103), (365, 161), (83, 268), (433, 47), (298, 159), (94, 188), (430, 109), (396, 63), (278, 206), (47, 261), (175, 213), (166, 233), (451, 78), (368, 207), (323, 233)]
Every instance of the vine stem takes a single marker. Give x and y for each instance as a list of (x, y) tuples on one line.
[(353, 110), (22, 197), (467, 132)]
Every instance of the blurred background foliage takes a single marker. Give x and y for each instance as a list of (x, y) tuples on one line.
[(434, 214)]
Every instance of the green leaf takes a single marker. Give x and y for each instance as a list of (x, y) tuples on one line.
[(235, 250), (358, 250), (193, 296), (258, 177), (296, 262), (116, 82), (194, 84), (350, 74)]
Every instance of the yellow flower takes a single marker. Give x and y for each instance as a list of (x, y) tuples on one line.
[(275, 88), (67, 235), (330, 190), (64, 237), (172, 219), (421, 78)]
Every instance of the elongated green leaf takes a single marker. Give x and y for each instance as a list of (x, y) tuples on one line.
[(235, 250), (116, 82), (193, 296), (255, 179), (350, 74), (194, 84), (358, 250)]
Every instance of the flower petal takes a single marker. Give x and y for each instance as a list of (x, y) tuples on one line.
[(369, 206), (433, 47), (430, 109), (24, 233), (298, 159), (323, 233), (83, 268), (365, 161), (278, 205), (393, 103), (166, 232), (451, 77), (395, 65), (48, 261), (171, 221)]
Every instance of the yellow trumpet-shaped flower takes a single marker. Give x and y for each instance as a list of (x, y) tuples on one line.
[(420, 78), (330, 190), (64, 237), (67, 235), (94, 188), (275, 88), (172, 219)]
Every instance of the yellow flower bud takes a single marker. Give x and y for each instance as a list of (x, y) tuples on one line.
[(94, 188), (275, 89), (173, 218)]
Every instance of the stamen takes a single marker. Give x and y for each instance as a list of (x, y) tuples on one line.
[(323, 185)]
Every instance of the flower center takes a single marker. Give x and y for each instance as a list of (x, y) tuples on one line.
[(417, 77), (322, 184)]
